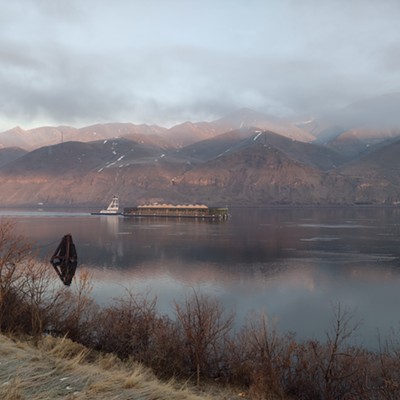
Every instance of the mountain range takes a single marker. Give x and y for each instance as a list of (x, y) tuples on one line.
[(245, 158)]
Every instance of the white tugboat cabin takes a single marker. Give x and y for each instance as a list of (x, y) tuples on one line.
[(112, 209)]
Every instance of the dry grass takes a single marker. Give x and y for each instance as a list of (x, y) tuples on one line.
[(61, 369)]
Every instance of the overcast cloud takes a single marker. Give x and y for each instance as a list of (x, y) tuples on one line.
[(78, 62)]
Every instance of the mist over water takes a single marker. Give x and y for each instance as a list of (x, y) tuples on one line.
[(295, 264)]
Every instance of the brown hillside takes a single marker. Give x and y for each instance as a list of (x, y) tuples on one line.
[(260, 174)]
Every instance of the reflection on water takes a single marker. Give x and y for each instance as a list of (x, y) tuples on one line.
[(295, 264)]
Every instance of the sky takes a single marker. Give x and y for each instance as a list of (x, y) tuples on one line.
[(80, 62)]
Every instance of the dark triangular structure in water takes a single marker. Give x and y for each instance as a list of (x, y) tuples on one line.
[(65, 259)]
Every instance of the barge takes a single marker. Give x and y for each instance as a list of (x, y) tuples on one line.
[(177, 211)]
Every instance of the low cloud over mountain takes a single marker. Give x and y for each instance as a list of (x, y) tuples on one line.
[(245, 158)]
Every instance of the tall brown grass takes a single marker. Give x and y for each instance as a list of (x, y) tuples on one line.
[(58, 368)]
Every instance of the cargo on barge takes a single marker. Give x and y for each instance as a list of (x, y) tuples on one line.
[(177, 211)]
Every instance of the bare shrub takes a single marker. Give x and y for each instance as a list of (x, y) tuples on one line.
[(29, 296), (166, 357), (24, 284), (74, 312), (26, 297), (262, 359), (336, 369), (39, 293), (14, 253), (205, 329), (126, 328), (389, 361), (132, 328)]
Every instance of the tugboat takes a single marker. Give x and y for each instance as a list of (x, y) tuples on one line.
[(112, 209)]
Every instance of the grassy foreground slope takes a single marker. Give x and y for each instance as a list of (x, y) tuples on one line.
[(58, 368)]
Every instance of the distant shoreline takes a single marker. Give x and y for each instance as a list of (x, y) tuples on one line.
[(90, 208)]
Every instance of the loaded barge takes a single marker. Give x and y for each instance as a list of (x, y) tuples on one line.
[(177, 211)]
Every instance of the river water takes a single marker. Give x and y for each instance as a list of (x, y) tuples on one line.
[(294, 264)]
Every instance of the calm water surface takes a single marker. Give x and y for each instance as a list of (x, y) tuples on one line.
[(294, 264)]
